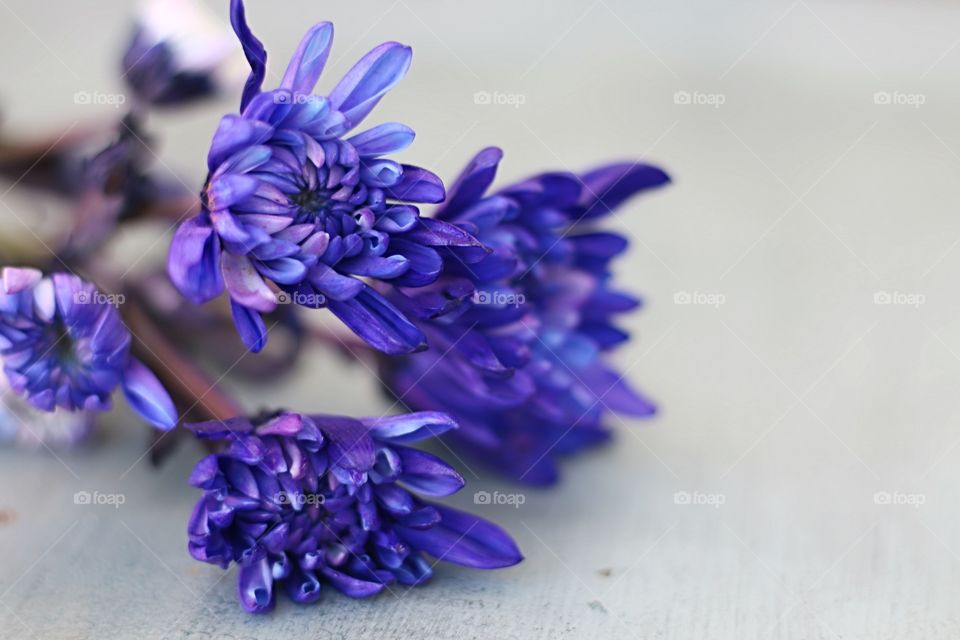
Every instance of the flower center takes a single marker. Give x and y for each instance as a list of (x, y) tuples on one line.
[(311, 202)]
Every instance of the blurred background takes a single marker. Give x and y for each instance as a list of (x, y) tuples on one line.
[(799, 330)]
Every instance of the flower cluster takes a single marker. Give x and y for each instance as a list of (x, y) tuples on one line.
[(64, 345), (300, 501), (518, 359), (290, 201)]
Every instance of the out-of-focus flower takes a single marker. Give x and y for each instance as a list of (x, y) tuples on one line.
[(518, 355), (298, 501), (290, 201), (179, 53), (63, 344), (29, 427)]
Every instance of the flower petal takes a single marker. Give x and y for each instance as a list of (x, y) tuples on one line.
[(410, 427), (253, 50), (417, 185), (376, 73), (428, 474), (379, 323), (245, 284), (472, 182), (606, 188), (389, 137), (255, 586), (147, 396), (464, 539), (250, 326), (308, 61)]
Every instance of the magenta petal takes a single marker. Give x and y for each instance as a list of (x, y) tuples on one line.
[(17, 279), (245, 284), (147, 396)]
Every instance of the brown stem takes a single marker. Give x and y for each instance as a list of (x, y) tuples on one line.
[(188, 384)]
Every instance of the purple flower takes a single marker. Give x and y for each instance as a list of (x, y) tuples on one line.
[(300, 501), (519, 338), (63, 345), (178, 53), (290, 201)]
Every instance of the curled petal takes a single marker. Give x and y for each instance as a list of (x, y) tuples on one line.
[(417, 185), (428, 474), (250, 326), (390, 137), (253, 50), (255, 586), (192, 261)]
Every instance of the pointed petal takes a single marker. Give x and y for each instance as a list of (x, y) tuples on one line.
[(410, 427), (250, 326), (369, 80), (464, 539), (308, 61), (147, 396), (379, 323)]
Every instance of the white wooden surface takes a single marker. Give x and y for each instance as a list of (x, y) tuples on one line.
[(792, 404)]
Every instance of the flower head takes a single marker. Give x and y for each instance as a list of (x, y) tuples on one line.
[(178, 53), (298, 501), (63, 345), (290, 201), (520, 362)]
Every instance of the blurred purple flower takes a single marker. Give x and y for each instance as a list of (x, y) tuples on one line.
[(300, 501), (26, 426), (519, 338), (63, 344), (290, 201), (179, 53)]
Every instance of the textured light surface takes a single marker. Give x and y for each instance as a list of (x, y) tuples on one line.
[(799, 548)]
